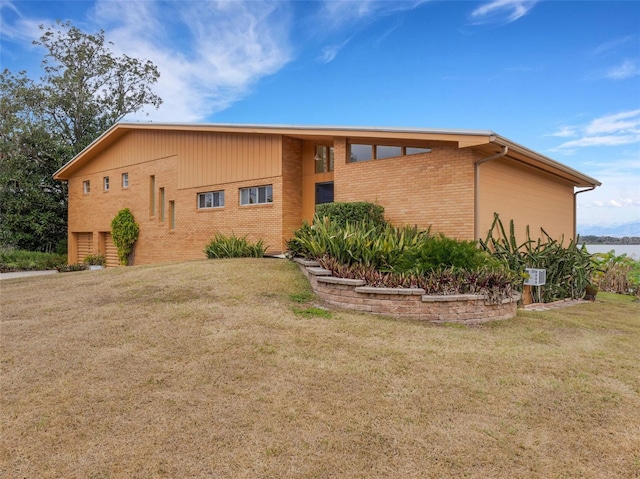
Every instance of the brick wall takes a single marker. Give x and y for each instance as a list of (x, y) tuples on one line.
[(409, 303), (194, 227), (432, 189), (291, 186)]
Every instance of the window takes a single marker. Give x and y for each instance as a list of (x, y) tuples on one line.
[(86, 187), (383, 152), (416, 151), (380, 152), (361, 153), (256, 195), (172, 215), (161, 191), (324, 158), (152, 195), (211, 199), (125, 180), (105, 183)]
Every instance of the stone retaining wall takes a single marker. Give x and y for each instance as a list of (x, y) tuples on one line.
[(404, 302)]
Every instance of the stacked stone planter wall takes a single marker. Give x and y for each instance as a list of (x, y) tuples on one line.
[(404, 302)]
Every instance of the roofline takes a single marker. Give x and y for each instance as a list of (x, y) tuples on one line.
[(268, 127), (466, 138), (513, 146)]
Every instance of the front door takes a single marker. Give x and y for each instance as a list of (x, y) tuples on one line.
[(324, 193)]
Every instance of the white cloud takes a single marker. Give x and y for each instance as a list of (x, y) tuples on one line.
[(628, 69), (331, 51), (610, 130), (338, 14), (347, 17), (611, 44), (209, 54), (564, 132), (502, 11), (626, 121), (16, 27), (618, 199)]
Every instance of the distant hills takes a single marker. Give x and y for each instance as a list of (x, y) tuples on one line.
[(618, 231)]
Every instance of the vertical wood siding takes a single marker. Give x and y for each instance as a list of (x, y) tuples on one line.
[(204, 158)]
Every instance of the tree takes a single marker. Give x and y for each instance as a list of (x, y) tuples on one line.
[(84, 91)]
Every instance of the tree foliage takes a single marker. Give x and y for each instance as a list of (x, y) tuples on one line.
[(85, 89)]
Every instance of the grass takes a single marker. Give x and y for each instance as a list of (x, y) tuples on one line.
[(203, 369)]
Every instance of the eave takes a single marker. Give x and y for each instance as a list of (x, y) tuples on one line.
[(481, 140)]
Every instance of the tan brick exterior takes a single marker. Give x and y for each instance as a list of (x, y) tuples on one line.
[(434, 189)]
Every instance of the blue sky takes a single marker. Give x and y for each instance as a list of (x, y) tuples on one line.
[(560, 77)]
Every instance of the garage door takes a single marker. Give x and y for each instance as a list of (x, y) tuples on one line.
[(85, 246), (110, 251)]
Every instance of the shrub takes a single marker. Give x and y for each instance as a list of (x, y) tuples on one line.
[(69, 268), (222, 246), (124, 231), (442, 252), (378, 246), (355, 212), (95, 260), (21, 260), (569, 269), (617, 274), (495, 284)]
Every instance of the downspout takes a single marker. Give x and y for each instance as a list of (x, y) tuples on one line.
[(476, 206), (575, 210)]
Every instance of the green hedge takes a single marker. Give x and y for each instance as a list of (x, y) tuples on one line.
[(343, 213), (21, 260)]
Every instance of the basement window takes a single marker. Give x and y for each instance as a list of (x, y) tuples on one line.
[(256, 195), (211, 199)]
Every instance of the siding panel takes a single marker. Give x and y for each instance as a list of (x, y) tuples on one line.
[(527, 196), (205, 158)]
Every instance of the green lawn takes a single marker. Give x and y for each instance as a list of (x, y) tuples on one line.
[(232, 369)]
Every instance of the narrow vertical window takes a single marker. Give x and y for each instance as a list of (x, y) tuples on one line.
[(125, 180), (105, 182), (172, 215), (86, 187), (161, 205), (152, 195)]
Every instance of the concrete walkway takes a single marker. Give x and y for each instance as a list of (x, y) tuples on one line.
[(26, 274), (564, 303)]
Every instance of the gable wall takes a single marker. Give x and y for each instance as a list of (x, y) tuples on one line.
[(529, 197)]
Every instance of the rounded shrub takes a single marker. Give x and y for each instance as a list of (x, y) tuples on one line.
[(124, 231)]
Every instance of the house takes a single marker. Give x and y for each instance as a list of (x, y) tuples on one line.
[(185, 182)]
